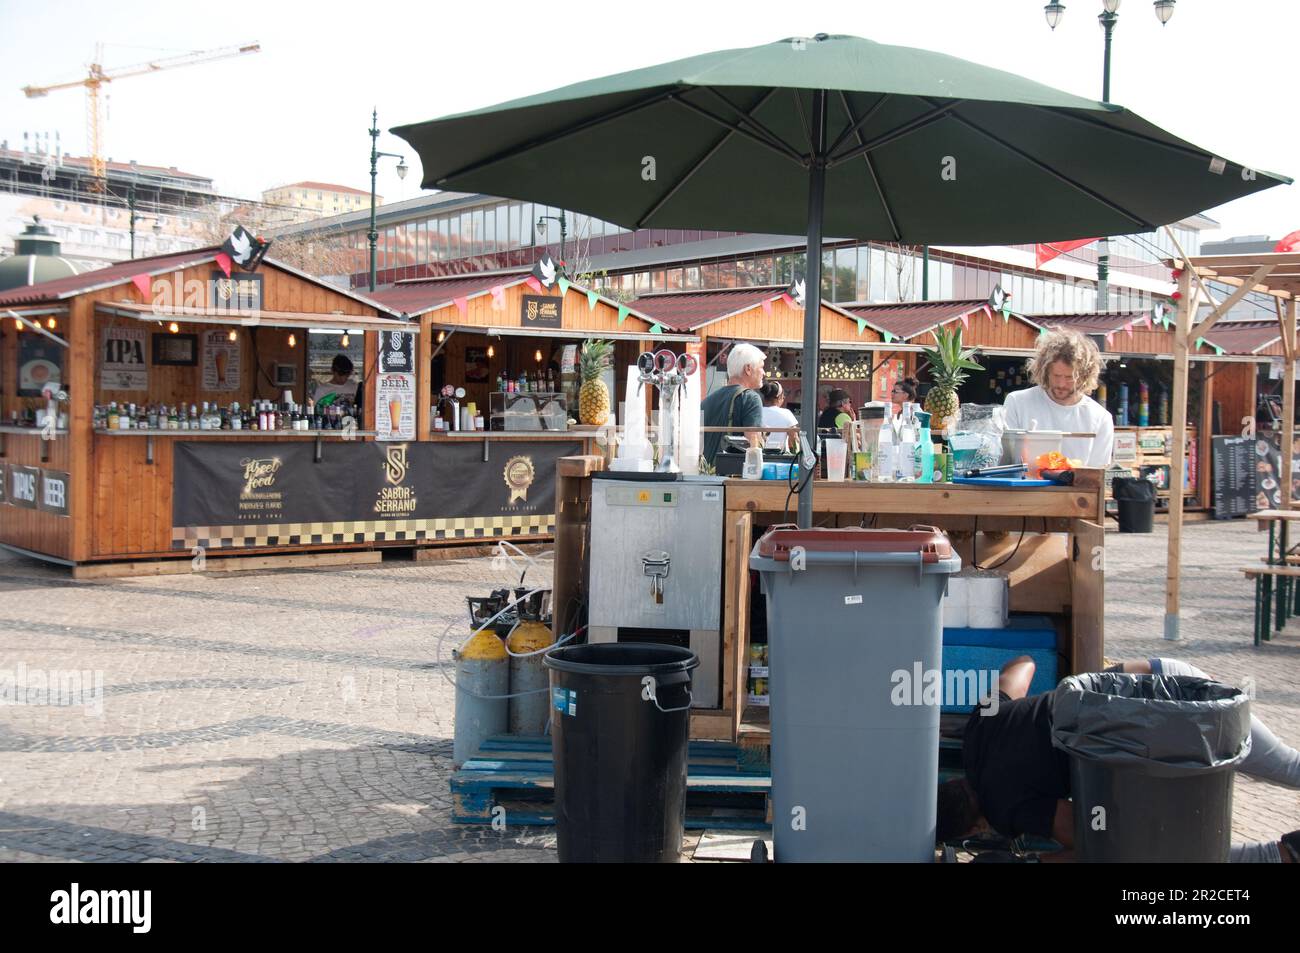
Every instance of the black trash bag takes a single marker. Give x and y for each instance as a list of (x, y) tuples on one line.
[(1134, 490), (1165, 725)]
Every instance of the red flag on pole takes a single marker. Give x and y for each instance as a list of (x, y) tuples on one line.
[(1289, 243), (1043, 253)]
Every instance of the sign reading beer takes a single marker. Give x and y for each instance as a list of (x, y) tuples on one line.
[(395, 406), (122, 363), (54, 492), (541, 311), (220, 362), (239, 292), (396, 352), (246, 494), (23, 485)]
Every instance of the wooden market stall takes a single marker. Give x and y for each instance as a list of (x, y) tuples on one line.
[(1049, 541)]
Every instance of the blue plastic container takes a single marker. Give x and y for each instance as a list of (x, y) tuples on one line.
[(987, 650)]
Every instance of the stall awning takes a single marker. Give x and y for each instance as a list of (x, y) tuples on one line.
[(253, 319)]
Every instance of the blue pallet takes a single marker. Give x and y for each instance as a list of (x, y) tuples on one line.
[(518, 773)]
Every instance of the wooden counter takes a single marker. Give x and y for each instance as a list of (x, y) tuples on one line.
[(1052, 540)]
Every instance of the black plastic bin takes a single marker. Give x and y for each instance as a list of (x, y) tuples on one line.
[(1135, 497), (1151, 764), (620, 744)]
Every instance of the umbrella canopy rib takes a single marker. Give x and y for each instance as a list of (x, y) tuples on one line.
[(1189, 151), (748, 115), (696, 166), (871, 166), (803, 119), (782, 149), (898, 132), (854, 125), (657, 97), (1057, 174)]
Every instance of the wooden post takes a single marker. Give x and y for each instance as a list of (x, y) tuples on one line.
[(81, 381), (1288, 405), (423, 378), (1178, 452), (1205, 435)]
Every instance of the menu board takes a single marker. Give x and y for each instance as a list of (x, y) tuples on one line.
[(220, 362), (1235, 478), (395, 406), (1268, 468)]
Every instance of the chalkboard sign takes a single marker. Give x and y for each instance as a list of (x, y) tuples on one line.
[(1234, 477)]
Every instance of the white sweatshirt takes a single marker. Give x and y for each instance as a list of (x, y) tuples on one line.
[(1023, 407)]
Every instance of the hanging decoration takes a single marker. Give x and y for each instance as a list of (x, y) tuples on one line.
[(498, 298), (544, 272), (592, 298), (622, 313), (462, 304), (143, 284)]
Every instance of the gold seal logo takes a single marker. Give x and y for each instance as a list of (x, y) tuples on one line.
[(395, 464), (519, 475)]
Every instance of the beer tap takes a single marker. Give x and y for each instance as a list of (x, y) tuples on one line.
[(668, 372)]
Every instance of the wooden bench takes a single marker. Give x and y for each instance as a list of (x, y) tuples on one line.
[(1264, 576)]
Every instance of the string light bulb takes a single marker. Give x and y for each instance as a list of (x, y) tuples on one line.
[(344, 340), (293, 341), (51, 323), (174, 328), (442, 336), (233, 335), (18, 325), (492, 352), (537, 355)]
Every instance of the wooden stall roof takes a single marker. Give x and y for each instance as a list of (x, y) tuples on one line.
[(762, 313), (1262, 338), (122, 273), (912, 321), (417, 296), (1271, 273)]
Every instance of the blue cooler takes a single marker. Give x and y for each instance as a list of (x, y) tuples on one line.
[(986, 650)]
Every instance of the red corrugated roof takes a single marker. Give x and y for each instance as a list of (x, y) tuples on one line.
[(114, 274), (688, 310), (907, 319), (1091, 321), (1244, 337)]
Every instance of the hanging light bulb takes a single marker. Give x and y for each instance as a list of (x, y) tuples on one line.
[(174, 328), (293, 341), (51, 323), (18, 325), (344, 340), (442, 336), (537, 355), (492, 352), (233, 335)]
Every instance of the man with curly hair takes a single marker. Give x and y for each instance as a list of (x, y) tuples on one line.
[(1064, 369)]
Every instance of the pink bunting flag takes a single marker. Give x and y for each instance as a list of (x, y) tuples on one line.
[(988, 311), (224, 262), (462, 304), (788, 300), (965, 321), (498, 298), (1128, 328), (144, 284), (1145, 321), (767, 305), (533, 283), (1110, 338)]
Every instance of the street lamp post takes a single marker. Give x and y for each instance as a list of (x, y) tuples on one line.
[(564, 229), (1109, 16), (374, 171)]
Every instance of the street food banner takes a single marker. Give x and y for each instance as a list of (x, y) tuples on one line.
[(122, 363), (239, 495), (395, 406), (221, 370)]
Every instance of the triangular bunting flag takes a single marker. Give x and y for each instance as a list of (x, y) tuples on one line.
[(1110, 338), (592, 298), (1006, 314), (1217, 349), (862, 325), (767, 305), (143, 284), (533, 283), (1200, 342), (224, 262), (1128, 328), (988, 311), (1042, 332), (787, 299), (462, 304), (965, 321), (564, 285), (622, 313), (498, 298), (888, 337), (656, 328)]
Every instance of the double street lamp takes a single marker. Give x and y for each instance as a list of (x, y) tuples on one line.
[(1109, 16), (374, 171)]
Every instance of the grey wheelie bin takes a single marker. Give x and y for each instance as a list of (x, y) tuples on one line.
[(854, 635), (1151, 764)]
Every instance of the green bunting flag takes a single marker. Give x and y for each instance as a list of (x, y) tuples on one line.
[(1218, 350), (592, 298), (888, 337), (1200, 342), (622, 313), (1006, 315), (862, 324), (564, 285), (656, 328)]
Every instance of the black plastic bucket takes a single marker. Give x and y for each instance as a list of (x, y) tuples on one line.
[(1135, 498), (620, 727)]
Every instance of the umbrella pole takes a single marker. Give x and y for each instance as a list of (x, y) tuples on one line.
[(812, 296)]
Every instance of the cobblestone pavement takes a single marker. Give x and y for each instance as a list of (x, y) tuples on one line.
[(304, 715)]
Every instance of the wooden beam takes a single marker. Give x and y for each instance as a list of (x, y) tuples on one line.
[(1281, 326), (1221, 309), (1182, 341), (424, 382), (1288, 405)]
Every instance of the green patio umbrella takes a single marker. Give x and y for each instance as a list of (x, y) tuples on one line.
[(833, 135)]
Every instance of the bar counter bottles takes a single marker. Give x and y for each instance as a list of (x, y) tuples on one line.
[(263, 415)]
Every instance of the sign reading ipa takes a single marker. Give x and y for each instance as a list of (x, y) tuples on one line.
[(23, 484), (54, 492), (122, 363), (396, 352), (541, 311)]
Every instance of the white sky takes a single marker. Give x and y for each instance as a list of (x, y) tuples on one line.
[(300, 108)]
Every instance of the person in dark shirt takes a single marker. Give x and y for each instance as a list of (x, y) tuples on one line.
[(839, 410), (1017, 782), (738, 404)]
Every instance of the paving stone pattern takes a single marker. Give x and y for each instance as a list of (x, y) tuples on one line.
[(307, 715)]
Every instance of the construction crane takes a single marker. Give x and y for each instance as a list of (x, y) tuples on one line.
[(98, 76)]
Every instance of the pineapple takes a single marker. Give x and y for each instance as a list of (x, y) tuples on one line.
[(948, 367), (593, 398)]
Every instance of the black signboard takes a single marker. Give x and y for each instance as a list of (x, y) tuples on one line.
[(23, 486), (239, 292), (249, 494), (1269, 470), (541, 311), (1235, 483), (40, 364), (396, 352), (54, 492)]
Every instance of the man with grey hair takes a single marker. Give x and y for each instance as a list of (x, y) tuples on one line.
[(738, 403)]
